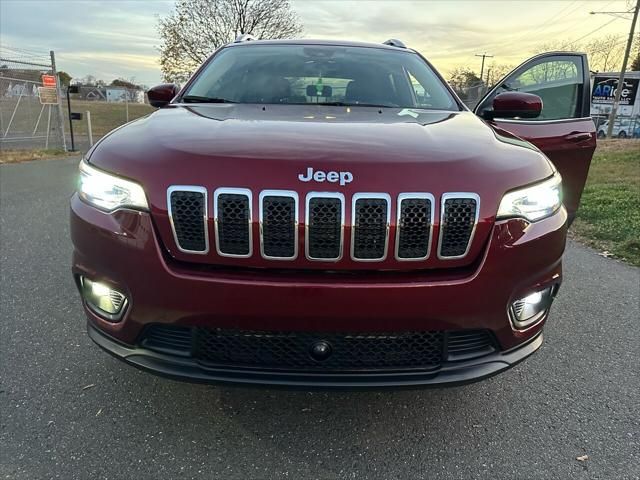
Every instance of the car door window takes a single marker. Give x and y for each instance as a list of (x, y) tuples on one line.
[(558, 80)]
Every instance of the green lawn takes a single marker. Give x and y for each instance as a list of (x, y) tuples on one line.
[(104, 116), (609, 214)]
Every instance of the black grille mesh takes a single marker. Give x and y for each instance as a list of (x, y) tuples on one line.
[(324, 228), (457, 226), (414, 228), (370, 228), (187, 210), (278, 226), (233, 224), (291, 350), (465, 344)]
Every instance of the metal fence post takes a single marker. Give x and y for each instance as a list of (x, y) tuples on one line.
[(89, 129), (60, 116)]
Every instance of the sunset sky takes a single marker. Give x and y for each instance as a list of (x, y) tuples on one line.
[(118, 38)]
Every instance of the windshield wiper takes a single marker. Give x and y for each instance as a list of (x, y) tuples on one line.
[(199, 99), (348, 104)]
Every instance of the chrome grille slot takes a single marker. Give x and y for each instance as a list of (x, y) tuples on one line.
[(279, 224), (414, 226), (324, 226), (370, 232), (458, 220), (233, 222), (187, 210)]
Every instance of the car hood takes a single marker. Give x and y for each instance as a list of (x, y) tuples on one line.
[(384, 148), (267, 147)]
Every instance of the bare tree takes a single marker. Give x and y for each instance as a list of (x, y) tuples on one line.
[(606, 53), (496, 72), (196, 28)]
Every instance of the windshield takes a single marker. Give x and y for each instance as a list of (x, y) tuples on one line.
[(320, 74)]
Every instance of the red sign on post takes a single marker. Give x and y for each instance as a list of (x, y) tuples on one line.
[(48, 81)]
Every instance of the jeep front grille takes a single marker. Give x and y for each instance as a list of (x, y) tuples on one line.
[(187, 208), (414, 226), (324, 224), (232, 208), (458, 219), (292, 349), (279, 224), (370, 232)]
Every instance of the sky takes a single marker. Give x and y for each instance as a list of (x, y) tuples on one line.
[(118, 38)]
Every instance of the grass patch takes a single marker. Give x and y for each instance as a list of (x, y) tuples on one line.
[(16, 156), (104, 116), (609, 214)]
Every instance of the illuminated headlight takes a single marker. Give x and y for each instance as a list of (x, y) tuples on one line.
[(109, 192), (102, 299), (528, 310), (533, 203)]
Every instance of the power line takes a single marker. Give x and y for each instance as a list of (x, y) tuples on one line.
[(588, 34)]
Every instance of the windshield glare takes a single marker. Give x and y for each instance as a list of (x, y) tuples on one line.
[(320, 74)]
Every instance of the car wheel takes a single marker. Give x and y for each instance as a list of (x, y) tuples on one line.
[(622, 134), (601, 134)]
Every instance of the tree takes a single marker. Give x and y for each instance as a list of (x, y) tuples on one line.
[(496, 72), (605, 53), (462, 78), (64, 78), (467, 84), (635, 63), (196, 28)]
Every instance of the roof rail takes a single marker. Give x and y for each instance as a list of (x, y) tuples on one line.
[(394, 42), (245, 37)]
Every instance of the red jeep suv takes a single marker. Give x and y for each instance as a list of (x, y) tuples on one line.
[(330, 214)]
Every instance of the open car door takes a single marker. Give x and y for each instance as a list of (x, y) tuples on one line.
[(564, 130)]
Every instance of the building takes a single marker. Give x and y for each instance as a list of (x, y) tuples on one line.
[(603, 90)]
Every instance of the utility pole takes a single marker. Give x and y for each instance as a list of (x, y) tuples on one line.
[(484, 55), (59, 114), (620, 87)]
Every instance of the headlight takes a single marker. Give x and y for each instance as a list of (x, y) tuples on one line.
[(534, 202), (109, 192)]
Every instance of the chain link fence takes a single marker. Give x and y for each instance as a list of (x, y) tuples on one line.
[(101, 108), (29, 118)]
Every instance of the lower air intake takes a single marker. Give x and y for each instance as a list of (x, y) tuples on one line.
[(295, 350)]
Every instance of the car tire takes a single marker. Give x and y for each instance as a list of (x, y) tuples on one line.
[(622, 134), (601, 134)]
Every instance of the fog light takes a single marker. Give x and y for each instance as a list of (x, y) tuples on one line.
[(528, 310), (103, 299)]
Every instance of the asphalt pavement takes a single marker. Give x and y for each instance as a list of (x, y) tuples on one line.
[(70, 411)]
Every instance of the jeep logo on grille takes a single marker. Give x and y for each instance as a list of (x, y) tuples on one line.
[(322, 176)]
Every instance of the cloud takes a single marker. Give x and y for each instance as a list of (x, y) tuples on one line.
[(110, 39)]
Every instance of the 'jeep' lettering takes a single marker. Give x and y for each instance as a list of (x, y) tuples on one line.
[(322, 176)]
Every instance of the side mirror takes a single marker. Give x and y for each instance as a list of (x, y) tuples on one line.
[(160, 95), (514, 104)]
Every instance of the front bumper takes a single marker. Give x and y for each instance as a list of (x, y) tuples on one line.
[(178, 368), (122, 250)]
